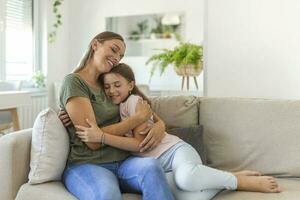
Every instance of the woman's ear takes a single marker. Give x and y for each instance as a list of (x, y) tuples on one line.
[(95, 44)]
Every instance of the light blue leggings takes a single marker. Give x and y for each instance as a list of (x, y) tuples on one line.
[(194, 181)]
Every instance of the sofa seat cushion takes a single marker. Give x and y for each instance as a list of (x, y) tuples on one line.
[(53, 191), (290, 187)]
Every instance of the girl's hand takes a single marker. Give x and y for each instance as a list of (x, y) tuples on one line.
[(64, 117), (153, 138), (89, 134), (143, 110)]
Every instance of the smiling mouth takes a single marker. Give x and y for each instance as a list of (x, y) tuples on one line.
[(111, 64)]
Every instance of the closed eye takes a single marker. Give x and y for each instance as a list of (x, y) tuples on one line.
[(106, 87), (114, 50)]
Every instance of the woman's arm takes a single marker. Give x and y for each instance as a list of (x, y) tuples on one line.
[(78, 116)]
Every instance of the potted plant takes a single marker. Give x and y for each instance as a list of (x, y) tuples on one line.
[(39, 79), (186, 59)]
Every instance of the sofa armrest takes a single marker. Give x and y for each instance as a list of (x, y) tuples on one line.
[(14, 162)]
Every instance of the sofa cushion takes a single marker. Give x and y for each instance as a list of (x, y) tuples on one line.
[(252, 134), (193, 136), (290, 191), (49, 148), (54, 191), (176, 111)]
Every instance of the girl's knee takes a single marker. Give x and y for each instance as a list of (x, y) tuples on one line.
[(184, 175)]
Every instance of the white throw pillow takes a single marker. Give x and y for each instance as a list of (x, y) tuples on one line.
[(49, 148)]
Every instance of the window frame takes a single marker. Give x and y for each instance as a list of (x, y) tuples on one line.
[(36, 35)]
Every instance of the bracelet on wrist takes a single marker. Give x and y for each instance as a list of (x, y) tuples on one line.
[(102, 138)]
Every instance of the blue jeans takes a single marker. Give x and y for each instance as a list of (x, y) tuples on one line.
[(107, 181)]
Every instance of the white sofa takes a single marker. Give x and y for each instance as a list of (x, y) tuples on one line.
[(239, 133)]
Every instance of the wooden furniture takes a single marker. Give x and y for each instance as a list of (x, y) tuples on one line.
[(9, 101)]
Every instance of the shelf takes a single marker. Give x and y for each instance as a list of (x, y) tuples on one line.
[(148, 47)]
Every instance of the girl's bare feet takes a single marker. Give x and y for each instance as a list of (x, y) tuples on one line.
[(265, 184)]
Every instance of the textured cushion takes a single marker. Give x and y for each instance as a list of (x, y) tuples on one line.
[(253, 134), (290, 191), (49, 148), (55, 191), (176, 111), (193, 136)]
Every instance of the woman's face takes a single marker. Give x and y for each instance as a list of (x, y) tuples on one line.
[(107, 54), (117, 87)]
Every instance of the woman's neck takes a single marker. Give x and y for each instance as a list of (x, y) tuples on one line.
[(90, 74)]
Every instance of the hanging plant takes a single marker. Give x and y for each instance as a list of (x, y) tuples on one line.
[(58, 20)]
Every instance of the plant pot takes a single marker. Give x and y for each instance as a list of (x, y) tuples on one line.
[(189, 70)]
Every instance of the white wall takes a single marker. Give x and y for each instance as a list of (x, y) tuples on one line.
[(252, 48), (58, 53), (88, 19)]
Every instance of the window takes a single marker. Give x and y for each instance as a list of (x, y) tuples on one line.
[(16, 36)]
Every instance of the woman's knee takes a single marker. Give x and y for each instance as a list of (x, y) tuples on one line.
[(109, 192), (152, 165), (92, 182)]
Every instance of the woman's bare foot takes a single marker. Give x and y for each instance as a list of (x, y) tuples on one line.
[(265, 184), (247, 173)]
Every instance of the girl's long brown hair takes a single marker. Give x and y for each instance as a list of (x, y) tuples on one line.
[(101, 37), (125, 71)]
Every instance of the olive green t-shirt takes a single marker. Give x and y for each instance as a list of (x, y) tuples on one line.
[(106, 113)]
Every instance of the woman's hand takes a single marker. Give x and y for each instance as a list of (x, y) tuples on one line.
[(64, 117), (143, 110), (89, 134), (153, 138)]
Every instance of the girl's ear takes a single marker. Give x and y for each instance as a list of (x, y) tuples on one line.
[(131, 85)]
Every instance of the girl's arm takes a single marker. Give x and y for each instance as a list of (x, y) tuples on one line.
[(154, 136), (143, 113), (95, 134)]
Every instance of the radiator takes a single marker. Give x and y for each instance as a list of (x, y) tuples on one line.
[(28, 113)]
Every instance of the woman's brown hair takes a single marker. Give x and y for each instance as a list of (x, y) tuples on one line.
[(101, 37), (125, 71)]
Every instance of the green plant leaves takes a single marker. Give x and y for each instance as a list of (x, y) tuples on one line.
[(58, 21), (180, 56)]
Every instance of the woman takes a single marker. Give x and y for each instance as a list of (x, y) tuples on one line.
[(95, 170), (190, 175)]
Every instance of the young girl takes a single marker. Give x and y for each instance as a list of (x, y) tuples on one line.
[(175, 155)]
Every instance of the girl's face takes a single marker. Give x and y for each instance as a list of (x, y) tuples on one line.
[(107, 54), (117, 87)]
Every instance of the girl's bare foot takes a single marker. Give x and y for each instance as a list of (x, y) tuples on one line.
[(247, 173), (265, 184)]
